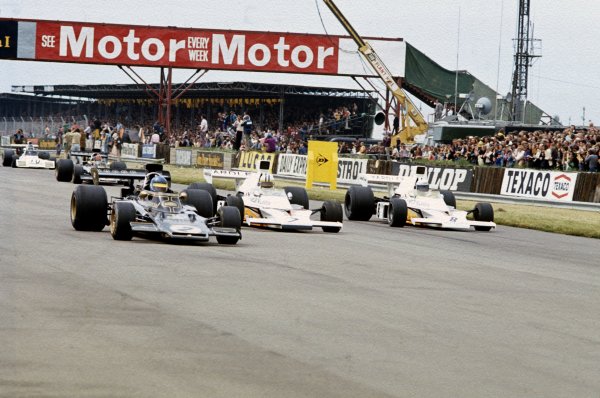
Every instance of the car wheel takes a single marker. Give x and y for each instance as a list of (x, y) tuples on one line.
[(122, 215), (88, 208), (359, 203), (397, 212), (64, 170), (299, 196), (449, 198), (118, 165), (238, 202), (332, 211), (201, 200), (210, 188), (77, 172), (483, 212), (44, 155), (8, 157), (230, 218)]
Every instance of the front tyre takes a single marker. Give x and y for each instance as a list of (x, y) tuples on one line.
[(483, 212), (120, 221), (332, 212), (230, 218), (397, 212), (88, 208), (64, 170)]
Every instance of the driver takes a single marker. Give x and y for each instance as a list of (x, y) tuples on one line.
[(422, 187), (159, 184)]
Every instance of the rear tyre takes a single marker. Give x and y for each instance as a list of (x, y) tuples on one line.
[(13, 162), (359, 203), (230, 218), (449, 198), (397, 212), (332, 211), (201, 200), (483, 212), (118, 166), (44, 155), (237, 202), (299, 196), (88, 208), (8, 157), (64, 170), (122, 215), (77, 172), (205, 186)]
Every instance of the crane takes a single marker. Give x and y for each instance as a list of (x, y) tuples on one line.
[(406, 132)]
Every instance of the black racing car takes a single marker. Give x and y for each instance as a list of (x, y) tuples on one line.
[(187, 215)]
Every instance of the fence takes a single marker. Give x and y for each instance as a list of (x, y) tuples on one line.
[(35, 127)]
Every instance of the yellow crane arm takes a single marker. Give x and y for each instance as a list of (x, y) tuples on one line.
[(407, 132)]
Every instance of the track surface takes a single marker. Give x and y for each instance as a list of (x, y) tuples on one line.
[(369, 312)]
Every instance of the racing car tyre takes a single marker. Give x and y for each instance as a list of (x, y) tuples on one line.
[(397, 212), (88, 208), (236, 201), (7, 159), (13, 162), (205, 186), (299, 196), (118, 165), (120, 228), (201, 200), (483, 212), (449, 198), (332, 211), (64, 170), (44, 155), (77, 171), (359, 203), (230, 218)]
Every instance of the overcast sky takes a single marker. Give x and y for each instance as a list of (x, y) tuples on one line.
[(563, 81)]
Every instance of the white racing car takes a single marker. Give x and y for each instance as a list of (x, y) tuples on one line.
[(30, 158), (262, 205), (410, 200)]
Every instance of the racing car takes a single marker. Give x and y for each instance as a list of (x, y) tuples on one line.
[(95, 169), (262, 205), (154, 211), (410, 200), (29, 158)]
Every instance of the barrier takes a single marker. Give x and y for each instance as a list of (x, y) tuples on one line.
[(246, 160), (539, 184), (183, 157), (487, 180), (587, 188), (149, 151), (349, 169), (439, 177), (291, 165), (212, 160), (129, 151)]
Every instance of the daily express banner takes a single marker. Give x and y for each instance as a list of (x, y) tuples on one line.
[(134, 45), (549, 185)]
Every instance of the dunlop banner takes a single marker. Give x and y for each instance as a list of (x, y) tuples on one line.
[(212, 160), (183, 157), (442, 178), (557, 186), (247, 160)]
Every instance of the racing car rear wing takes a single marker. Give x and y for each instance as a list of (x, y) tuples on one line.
[(392, 182), (238, 176)]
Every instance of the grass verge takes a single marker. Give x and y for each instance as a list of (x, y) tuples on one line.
[(557, 220)]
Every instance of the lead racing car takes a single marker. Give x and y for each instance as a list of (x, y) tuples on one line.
[(153, 210), (409, 199), (262, 205), (30, 158)]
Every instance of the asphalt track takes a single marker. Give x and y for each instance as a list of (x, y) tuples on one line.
[(369, 312)]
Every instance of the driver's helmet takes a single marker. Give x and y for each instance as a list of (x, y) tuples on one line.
[(422, 186), (159, 184)]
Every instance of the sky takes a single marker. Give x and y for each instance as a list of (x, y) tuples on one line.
[(472, 35)]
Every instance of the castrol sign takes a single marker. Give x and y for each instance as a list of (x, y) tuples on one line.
[(134, 45)]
